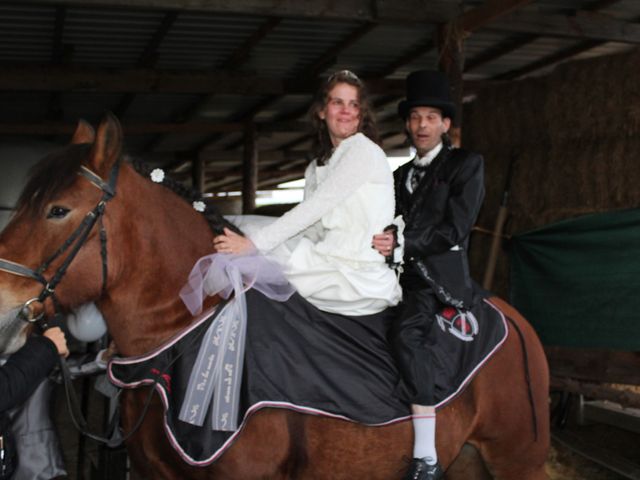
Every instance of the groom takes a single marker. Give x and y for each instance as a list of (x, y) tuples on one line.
[(439, 195)]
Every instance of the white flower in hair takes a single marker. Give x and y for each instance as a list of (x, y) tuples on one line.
[(157, 175), (199, 206)]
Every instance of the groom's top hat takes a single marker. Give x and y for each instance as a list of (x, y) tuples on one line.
[(427, 88)]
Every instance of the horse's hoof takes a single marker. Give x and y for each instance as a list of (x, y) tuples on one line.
[(420, 470)]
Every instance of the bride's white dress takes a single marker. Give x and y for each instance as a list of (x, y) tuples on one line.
[(324, 243)]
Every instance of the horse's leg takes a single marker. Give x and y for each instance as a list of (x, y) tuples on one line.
[(342, 450), (505, 432), (151, 454), (468, 465)]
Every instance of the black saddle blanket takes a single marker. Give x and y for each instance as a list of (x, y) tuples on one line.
[(300, 358)]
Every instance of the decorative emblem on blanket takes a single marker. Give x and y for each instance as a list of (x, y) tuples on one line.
[(460, 323), (165, 377)]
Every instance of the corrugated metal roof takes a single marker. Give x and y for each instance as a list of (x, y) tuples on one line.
[(248, 50)]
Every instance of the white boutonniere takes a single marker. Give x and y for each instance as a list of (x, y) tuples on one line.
[(157, 175), (199, 206)]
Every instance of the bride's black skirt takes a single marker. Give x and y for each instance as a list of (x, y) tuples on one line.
[(296, 357), (341, 365)]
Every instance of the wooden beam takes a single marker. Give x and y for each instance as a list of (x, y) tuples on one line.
[(222, 160), (419, 49), (623, 397), (515, 42), (306, 78), (241, 54), (582, 25), (486, 13), (549, 60), (328, 57), (198, 174), (57, 54), (47, 78), (501, 49), (148, 58), (382, 11), (59, 128), (249, 170), (594, 365), (150, 54), (469, 21), (450, 46), (54, 107), (233, 62), (267, 179)]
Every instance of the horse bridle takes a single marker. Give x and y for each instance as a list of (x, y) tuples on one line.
[(75, 242), (77, 239)]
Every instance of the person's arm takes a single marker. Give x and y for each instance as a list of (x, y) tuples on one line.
[(25, 369), (352, 166), (465, 199)]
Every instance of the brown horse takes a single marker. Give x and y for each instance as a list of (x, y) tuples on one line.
[(153, 239)]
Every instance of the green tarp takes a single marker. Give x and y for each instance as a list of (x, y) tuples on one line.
[(578, 281)]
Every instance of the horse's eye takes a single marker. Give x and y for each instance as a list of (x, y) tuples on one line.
[(57, 212)]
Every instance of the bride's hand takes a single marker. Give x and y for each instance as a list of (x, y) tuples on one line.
[(233, 243)]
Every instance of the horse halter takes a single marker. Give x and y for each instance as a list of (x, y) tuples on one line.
[(75, 241)]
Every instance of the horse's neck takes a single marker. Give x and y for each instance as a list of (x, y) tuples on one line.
[(159, 238)]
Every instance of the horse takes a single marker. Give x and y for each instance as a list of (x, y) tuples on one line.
[(134, 263)]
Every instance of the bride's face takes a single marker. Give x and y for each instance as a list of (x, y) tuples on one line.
[(341, 112)]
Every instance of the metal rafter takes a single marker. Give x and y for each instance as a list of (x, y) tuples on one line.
[(308, 76), (381, 11), (233, 62), (516, 42), (468, 21), (149, 57), (54, 107)]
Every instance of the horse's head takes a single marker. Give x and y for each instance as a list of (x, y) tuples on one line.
[(58, 215)]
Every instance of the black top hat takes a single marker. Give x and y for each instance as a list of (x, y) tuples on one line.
[(427, 88)]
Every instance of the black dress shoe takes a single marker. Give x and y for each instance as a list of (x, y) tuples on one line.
[(420, 470)]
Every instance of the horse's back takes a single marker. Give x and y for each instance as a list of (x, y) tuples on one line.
[(498, 414)]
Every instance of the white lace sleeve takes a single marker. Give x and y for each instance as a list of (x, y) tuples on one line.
[(354, 163)]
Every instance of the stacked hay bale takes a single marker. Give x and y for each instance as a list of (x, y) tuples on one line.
[(576, 136)]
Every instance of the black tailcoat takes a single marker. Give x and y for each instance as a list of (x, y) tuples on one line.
[(439, 216)]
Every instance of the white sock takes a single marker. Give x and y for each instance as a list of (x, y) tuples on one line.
[(424, 444)]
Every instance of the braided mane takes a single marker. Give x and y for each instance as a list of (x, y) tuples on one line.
[(216, 221)]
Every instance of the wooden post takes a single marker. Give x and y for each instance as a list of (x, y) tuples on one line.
[(249, 170), (501, 219), (450, 46), (198, 174)]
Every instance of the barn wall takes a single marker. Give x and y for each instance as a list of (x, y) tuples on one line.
[(16, 157), (576, 137)]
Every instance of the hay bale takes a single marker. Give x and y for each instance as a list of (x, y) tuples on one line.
[(576, 133)]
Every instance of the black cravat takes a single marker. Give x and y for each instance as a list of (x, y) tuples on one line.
[(416, 175)]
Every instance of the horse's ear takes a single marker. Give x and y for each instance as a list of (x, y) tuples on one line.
[(108, 145), (84, 133)]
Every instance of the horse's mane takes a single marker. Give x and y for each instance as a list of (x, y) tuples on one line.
[(216, 221), (58, 170), (53, 174)]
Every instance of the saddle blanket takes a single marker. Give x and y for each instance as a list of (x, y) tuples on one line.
[(306, 360)]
